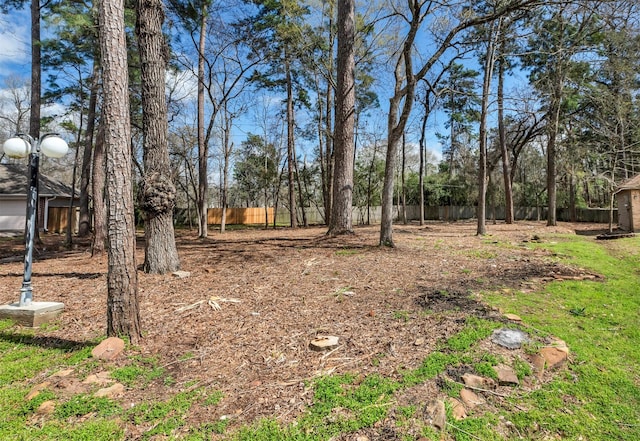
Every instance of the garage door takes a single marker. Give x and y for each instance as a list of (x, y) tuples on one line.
[(12, 213)]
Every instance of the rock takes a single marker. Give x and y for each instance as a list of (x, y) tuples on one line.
[(554, 357), (457, 409), (538, 362), (506, 375), (109, 349), (513, 317), (110, 392), (509, 338), (560, 344), (63, 373), (181, 274), (71, 386), (470, 398), (99, 378), (35, 390), (419, 341), (324, 343), (46, 408), (436, 414), (476, 382)]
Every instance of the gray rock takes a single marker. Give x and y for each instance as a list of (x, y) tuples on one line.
[(509, 338), (436, 415)]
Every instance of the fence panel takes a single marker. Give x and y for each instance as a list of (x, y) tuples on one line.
[(239, 216), (442, 213), (58, 219)]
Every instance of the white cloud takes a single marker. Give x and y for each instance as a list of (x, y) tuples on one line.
[(15, 53), (181, 85)]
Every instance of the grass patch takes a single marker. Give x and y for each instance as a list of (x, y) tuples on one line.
[(141, 373), (599, 397), (347, 252), (83, 404)]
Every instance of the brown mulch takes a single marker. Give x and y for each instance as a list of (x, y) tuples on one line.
[(291, 286)]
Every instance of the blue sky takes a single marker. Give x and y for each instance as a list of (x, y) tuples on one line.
[(15, 51)]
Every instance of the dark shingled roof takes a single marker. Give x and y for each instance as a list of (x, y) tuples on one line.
[(14, 181), (631, 184)]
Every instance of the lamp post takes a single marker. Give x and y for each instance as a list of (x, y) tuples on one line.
[(20, 146)]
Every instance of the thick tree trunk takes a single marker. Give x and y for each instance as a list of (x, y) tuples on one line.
[(158, 193), (341, 215), (393, 141), (123, 317)]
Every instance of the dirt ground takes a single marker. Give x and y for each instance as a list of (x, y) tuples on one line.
[(278, 290)]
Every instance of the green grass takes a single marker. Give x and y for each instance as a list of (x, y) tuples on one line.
[(140, 373), (599, 396), (24, 355)]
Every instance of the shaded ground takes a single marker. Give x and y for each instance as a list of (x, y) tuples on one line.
[(290, 287)]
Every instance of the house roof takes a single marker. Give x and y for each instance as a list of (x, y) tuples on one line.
[(14, 181), (631, 184)]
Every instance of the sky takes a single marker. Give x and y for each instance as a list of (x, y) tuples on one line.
[(15, 60), (15, 53)]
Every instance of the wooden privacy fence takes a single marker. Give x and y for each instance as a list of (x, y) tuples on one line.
[(58, 219), (243, 216)]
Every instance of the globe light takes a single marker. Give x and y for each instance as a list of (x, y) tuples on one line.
[(16, 147), (54, 146), (19, 146)]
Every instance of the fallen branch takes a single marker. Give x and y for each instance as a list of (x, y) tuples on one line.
[(188, 307)]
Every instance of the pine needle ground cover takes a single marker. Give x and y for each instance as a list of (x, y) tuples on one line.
[(410, 322)]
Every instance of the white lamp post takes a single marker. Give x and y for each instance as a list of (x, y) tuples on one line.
[(26, 311)]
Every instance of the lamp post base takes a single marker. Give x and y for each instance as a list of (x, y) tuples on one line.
[(32, 315)]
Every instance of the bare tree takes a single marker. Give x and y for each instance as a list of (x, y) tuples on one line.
[(15, 104), (406, 76)]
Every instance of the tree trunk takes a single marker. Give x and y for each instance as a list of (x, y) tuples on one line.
[(227, 147), (158, 194), (369, 179), (551, 156), (123, 317), (303, 211), (203, 148), (328, 182), (341, 213), (421, 172), (68, 240), (98, 180), (482, 166), (290, 146), (403, 179), (506, 164), (84, 226), (36, 71)]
